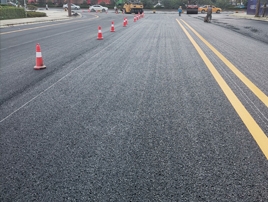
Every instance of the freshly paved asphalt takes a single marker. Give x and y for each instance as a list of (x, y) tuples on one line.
[(134, 117)]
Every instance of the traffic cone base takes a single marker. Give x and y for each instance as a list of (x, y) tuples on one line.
[(40, 67)]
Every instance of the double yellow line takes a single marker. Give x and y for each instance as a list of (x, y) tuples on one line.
[(255, 130)]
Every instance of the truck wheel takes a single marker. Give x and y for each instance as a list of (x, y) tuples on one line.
[(203, 11)]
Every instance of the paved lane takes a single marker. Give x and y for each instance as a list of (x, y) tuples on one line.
[(135, 117)]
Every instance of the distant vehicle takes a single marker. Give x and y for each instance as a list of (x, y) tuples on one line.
[(95, 8), (12, 4), (203, 9), (192, 7), (130, 6), (73, 6)]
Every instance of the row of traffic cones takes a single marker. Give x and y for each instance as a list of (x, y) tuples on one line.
[(125, 23), (138, 16), (39, 59), (100, 37)]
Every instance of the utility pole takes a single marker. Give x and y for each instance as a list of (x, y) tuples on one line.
[(258, 8), (69, 8), (25, 8)]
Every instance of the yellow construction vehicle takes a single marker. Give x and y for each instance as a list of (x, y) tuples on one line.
[(130, 6)]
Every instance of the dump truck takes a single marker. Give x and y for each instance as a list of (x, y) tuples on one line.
[(192, 7), (130, 6)]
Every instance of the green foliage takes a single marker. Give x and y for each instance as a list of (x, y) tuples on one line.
[(84, 5), (94, 2), (222, 4), (103, 4), (32, 7), (173, 4), (33, 14), (51, 4), (7, 12), (147, 3), (41, 3), (206, 2)]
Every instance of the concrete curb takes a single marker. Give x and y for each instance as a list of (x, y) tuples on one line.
[(28, 22)]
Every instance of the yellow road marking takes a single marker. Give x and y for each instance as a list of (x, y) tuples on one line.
[(241, 76), (249, 122), (21, 30)]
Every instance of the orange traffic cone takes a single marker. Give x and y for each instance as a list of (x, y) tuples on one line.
[(135, 19), (99, 34), (112, 27), (39, 59), (125, 23)]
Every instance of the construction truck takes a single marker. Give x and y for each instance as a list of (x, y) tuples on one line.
[(129, 6), (192, 7)]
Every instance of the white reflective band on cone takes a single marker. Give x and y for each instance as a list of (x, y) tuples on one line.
[(38, 54)]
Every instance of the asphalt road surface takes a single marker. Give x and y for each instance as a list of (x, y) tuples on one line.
[(254, 29), (164, 109)]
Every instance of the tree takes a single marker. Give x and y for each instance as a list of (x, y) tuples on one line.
[(258, 8), (92, 2), (42, 2), (174, 4), (264, 9), (222, 4), (147, 3)]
